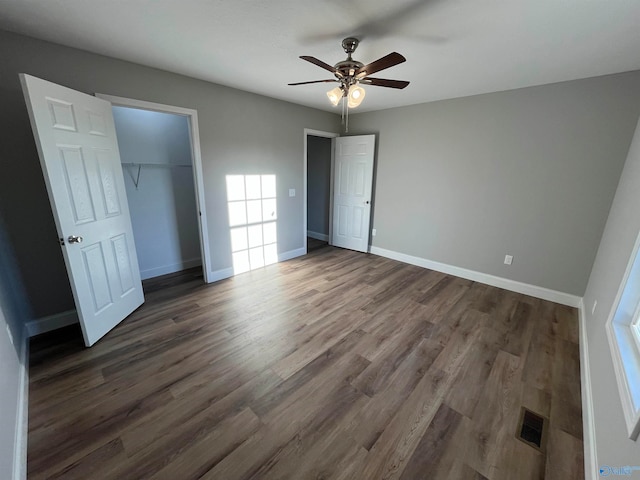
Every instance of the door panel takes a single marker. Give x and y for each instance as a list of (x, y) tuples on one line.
[(97, 276), (344, 177), (359, 179), (97, 123), (343, 219), (352, 192), (107, 177), (78, 151), (75, 176), (356, 222), (62, 115), (123, 262)]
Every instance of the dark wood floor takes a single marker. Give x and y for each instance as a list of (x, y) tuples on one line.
[(336, 365), (314, 244)]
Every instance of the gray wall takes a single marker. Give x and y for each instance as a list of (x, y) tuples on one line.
[(618, 239), (529, 172), (14, 312), (240, 133), (318, 183), (163, 206)]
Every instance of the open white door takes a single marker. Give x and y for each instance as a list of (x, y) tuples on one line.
[(78, 150), (352, 186)]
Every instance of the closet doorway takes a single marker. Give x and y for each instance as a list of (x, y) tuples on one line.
[(160, 154), (318, 177)]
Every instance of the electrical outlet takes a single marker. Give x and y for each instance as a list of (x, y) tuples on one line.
[(374, 232), (508, 259), (292, 192), (593, 309)]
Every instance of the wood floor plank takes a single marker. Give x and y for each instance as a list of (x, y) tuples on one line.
[(204, 454), (89, 466), (565, 405), (565, 456), (538, 368), (379, 411), (161, 423), (428, 456), (519, 327), (519, 460), (462, 471), (321, 340), (324, 403), (334, 365), (466, 390), (188, 441), (324, 362), (389, 455), (390, 355), (316, 450), (79, 435), (484, 435)]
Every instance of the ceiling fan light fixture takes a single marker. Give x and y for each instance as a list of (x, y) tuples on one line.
[(350, 73), (335, 95), (355, 96)]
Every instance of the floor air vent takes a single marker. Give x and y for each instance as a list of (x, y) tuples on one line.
[(532, 429)]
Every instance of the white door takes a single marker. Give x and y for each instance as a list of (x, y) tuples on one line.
[(78, 150), (352, 183)]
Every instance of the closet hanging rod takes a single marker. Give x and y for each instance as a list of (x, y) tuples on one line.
[(136, 179)]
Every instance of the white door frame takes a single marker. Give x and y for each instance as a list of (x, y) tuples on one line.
[(317, 133), (194, 134)]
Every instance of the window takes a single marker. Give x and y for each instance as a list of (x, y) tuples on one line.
[(623, 330), (252, 206), (635, 326)]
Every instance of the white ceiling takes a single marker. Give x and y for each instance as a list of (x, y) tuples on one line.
[(453, 48)]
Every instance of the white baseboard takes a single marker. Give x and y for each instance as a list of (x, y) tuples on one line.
[(588, 427), (318, 236), (52, 322), (22, 414), (283, 257), (228, 272), (174, 267), (512, 285)]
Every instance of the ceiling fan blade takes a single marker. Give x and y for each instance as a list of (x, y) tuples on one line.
[(319, 63), (385, 62), (383, 82), (313, 81)]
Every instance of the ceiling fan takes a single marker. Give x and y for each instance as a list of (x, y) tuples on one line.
[(350, 74)]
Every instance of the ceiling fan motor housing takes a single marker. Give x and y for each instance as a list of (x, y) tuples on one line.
[(350, 44), (346, 69)]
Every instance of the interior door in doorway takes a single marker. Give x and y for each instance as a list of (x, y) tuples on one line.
[(78, 150), (353, 182)]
